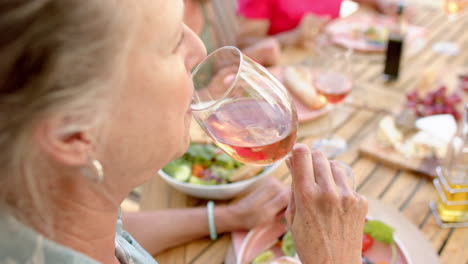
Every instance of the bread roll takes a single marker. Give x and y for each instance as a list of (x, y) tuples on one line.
[(299, 81)]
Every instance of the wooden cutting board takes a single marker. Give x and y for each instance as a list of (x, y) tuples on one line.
[(373, 147), (432, 78)]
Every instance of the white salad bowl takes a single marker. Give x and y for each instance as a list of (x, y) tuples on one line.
[(221, 191)]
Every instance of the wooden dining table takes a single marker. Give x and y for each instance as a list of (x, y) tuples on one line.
[(408, 192)]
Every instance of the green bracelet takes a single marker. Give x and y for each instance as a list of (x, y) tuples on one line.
[(211, 222)]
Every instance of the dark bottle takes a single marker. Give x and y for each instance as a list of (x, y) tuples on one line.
[(395, 46)]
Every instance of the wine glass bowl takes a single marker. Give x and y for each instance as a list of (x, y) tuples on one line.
[(333, 85), (245, 110), (333, 81)]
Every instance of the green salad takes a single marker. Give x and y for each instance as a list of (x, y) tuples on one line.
[(287, 247), (206, 164)]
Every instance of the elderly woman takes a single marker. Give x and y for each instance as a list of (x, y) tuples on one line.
[(94, 98)]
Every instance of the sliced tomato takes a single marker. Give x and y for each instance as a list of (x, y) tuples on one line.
[(367, 242)]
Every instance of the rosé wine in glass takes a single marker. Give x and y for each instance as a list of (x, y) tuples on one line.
[(252, 131), (245, 110), (334, 86)]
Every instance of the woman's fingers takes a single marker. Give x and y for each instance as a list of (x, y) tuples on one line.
[(301, 166), (322, 171), (341, 176), (263, 194), (279, 202), (291, 210), (268, 191)]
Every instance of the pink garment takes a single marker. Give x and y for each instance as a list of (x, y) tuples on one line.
[(285, 15)]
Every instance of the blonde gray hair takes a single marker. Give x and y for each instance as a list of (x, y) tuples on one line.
[(57, 59)]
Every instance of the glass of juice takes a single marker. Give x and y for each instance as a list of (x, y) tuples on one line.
[(451, 206), (452, 180)]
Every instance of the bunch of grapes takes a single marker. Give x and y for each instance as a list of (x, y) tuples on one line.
[(434, 103)]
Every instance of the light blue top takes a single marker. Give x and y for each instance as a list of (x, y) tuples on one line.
[(20, 244)]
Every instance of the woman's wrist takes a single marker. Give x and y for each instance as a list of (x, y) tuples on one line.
[(226, 219)]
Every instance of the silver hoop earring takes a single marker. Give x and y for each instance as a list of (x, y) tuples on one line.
[(93, 171)]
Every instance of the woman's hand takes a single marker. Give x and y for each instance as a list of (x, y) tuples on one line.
[(325, 216), (310, 27), (266, 52), (261, 205)]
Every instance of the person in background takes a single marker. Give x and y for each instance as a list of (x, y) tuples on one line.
[(200, 18), (292, 22), (94, 99)]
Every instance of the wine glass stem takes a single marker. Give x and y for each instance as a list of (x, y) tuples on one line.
[(329, 126)]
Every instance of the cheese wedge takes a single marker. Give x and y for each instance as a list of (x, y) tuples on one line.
[(441, 127), (388, 133), (422, 145)]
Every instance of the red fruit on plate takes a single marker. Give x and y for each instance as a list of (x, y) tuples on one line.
[(440, 92), (367, 242), (428, 99), (412, 96), (447, 109), (438, 109), (429, 110), (453, 99)]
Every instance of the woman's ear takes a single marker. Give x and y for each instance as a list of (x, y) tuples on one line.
[(63, 143)]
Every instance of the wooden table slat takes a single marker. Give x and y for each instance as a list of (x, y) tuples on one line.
[(456, 249), (401, 189), (434, 233), (378, 181), (216, 253)]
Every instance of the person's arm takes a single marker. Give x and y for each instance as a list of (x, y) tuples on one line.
[(160, 230), (251, 31), (254, 22)]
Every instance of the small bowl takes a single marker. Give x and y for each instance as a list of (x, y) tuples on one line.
[(218, 192)]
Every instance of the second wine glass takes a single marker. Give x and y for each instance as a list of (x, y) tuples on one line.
[(333, 81)]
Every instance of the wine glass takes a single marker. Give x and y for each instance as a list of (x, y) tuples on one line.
[(452, 9), (333, 81), (245, 110)]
